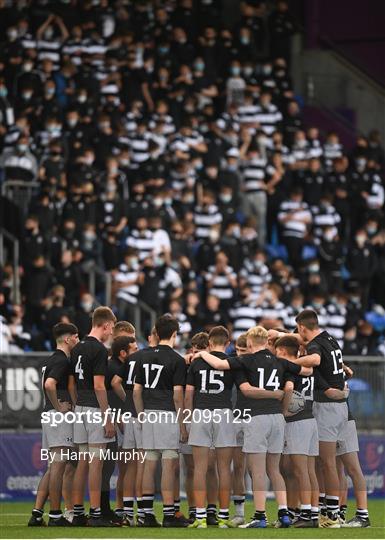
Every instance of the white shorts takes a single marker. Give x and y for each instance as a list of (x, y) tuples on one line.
[(331, 419), (56, 436), (160, 431), (212, 429), (86, 432), (132, 436), (349, 439), (301, 438), (239, 435), (264, 434)]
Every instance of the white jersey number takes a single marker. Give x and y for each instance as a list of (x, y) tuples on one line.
[(147, 369), (130, 376), (337, 362), (78, 367), (272, 382), (214, 380)]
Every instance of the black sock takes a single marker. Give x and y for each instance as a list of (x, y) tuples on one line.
[(78, 510), (362, 513), (211, 509), (332, 506), (283, 512), (105, 501), (343, 509), (305, 514), (128, 503), (55, 514), (168, 511), (291, 512), (260, 514), (192, 511), (148, 503), (37, 513), (95, 512)]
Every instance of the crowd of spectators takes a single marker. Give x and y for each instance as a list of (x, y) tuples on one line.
[(166, 146)]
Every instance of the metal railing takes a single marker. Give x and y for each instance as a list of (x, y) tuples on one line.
[(20, 192), (5, 235)]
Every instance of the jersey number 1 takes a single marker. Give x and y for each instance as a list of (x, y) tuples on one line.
[(152, 367), (337, 362)]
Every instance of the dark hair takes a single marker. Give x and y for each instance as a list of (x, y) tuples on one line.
[(308, 318), (289, 343), (165, 326), (241, 341), (200, 341), (63, 329), (102, 315), (219, 335), (121, 343)]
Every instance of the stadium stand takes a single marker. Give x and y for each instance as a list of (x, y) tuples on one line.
[(163, 145)]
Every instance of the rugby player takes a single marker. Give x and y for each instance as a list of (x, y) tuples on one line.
[(55, 374), (89, 368), (324, 353), (208, 398), (160, 376)]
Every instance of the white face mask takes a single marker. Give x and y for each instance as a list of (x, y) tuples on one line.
[(72, 122), (82, 98), (87, 306), (329, 236), (214, 236), (360, 239), (27, 66), (226, 197)]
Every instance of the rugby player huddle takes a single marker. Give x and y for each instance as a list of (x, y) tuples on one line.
[(278, 407)]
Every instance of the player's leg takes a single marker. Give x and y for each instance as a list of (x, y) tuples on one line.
[(292, 494), (353, 469), (189, 488), (58, 467), (201, 463), (224, 459), (343, 489), (314, 489), (129, 481), (238, 485), (322, 495), (301, 474), (36, 519), (279, 488), (327, 451), (95, 480), (256, 465), (78, 486), (105, 495), (139, 487), (212, 488), (68, 479), (178, 514), (168, 484), (148, 487)]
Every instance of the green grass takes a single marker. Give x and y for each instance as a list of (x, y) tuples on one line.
[(14, 517)]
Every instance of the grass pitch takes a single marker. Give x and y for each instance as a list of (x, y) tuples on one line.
[(14, 518)]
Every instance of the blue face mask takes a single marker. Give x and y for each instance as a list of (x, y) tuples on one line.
[(245, 40), (3, 92), (199, 66), (235, 71)]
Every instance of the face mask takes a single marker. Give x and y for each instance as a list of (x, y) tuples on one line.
[(245, 40), (114, 170), (237, 232), (48, 34), (22, 147), (168, 201), (355, 299), (26, 95), (214, 236), (159, 261), (189, 199), (90, 236), (360, 240), (235, 70), (225, 198), (3, 92), (110, 187), (72, 122), (157, 202), (301, 143), (124, 162), (104, 125), (87, 306), (163, 50), (199, 66), (313, 268), (82, 98), (361, 164), (329, 236), (50, 91), (267, 70), (27, 66), (134, 263), (12, 35), (248, 71), (371, 230), (317, 305), (88, 160)]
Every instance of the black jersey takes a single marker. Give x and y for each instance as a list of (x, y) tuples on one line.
[(331, 365), (213, 387), (114, 367), (88, 358), (129, 380), (262, 370), (306, 386), (57, 367), (158, 370)]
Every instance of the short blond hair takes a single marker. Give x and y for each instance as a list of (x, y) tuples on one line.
[(124, 328), (102, 315), (257, 334)]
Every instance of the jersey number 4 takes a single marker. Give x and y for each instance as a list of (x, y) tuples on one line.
[(272, 382), (149, 368), (78, 367)]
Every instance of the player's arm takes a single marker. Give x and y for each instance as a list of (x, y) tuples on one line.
[(259, 393), (137, 395), (179, 402), (101, 396), (288, 389), (213, 361), (72, 389), (116, 385), (348, 371), (189, 397), (297, 369), (332, 393), (50, 385)]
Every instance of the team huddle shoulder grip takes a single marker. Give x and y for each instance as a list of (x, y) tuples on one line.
[(276, 406)]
